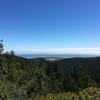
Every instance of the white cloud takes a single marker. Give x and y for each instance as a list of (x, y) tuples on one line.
[(63, 51)]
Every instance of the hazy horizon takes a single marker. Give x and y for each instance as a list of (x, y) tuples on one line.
[(48, 55), (77, 51)]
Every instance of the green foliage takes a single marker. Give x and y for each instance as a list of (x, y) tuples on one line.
[(1, 46), (3, 63), (67, 79), (87, 94)]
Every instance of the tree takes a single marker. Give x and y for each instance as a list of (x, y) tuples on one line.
[(1, 69), (1, 61), (12, 53), (1, 46)]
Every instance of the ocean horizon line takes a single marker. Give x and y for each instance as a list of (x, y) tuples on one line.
[(56, 55)]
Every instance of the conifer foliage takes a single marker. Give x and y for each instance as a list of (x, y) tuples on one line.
[(39, 79)]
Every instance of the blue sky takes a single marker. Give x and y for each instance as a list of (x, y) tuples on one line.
[(32, 25)]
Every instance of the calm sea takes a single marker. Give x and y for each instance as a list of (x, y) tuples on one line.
[(53, 56)]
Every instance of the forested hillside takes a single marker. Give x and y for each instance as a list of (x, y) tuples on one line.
[(38, 79)]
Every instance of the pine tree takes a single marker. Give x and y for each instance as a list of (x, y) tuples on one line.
[(1, 60)]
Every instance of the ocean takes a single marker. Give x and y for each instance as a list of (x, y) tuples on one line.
[(29, 56)]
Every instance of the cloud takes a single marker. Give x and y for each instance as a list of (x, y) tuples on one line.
[(63, 51)]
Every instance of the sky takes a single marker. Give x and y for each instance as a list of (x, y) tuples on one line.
[(54, 26)]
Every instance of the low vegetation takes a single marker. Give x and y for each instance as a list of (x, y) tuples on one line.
[(39, 79)]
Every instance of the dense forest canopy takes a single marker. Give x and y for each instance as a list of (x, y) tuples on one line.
[(39, 79)]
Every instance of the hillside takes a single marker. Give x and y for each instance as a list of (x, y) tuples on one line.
[(26, 78)]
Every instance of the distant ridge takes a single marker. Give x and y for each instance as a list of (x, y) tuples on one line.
[(53, 56)]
